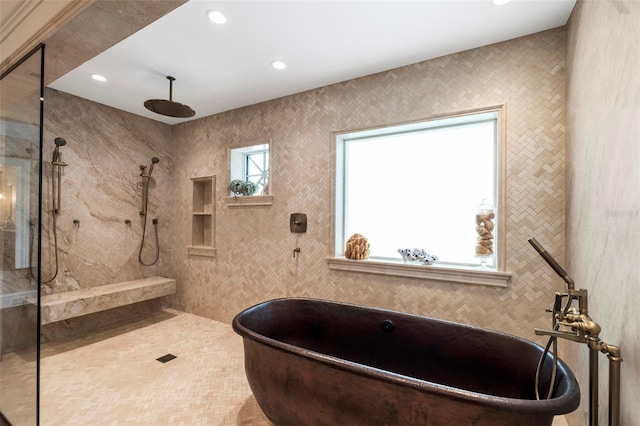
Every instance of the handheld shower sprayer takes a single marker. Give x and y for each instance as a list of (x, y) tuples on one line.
[(143, 212), (56, 195), (56, 166), (145, 184), (552, 262), (56, 152), (154, 160), (147, 175)]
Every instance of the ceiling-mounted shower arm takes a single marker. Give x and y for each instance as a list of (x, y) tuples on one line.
[(171, 80)]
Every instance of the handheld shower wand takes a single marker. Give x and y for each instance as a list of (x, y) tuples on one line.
[(56, 195), (56, 152), (154, 160), (57, 164), (145, 184), (552, 262), (145, 204)]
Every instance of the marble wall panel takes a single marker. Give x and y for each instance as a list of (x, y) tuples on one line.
[(603, 181), (101, 189), (254, 258)]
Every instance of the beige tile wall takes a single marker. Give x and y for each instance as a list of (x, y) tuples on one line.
[(255, 261), (603, 180)]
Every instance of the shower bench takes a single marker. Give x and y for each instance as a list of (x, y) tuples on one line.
[(70, 304)]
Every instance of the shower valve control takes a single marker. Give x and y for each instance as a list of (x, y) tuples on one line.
[(298, 223)]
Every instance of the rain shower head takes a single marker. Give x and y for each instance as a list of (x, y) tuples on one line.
[(170, 108), (60, 141)]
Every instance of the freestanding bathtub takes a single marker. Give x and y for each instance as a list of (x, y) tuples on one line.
[(315, 362)]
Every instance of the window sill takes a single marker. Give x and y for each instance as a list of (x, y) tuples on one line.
[(435, 272), (251, 200)]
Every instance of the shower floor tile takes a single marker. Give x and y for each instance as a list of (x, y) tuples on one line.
[(113, 376)]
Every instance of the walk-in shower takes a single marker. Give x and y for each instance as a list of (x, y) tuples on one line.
[(57, 165), (146, 178)]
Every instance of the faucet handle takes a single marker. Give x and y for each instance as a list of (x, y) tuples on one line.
[(561, 334)]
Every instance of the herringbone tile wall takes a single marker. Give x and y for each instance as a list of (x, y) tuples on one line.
[(255, 260)]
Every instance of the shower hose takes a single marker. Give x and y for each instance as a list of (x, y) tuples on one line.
[(144, 231), (552, 341)]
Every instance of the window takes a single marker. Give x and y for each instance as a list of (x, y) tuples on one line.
[(418, 186), (252, 164)]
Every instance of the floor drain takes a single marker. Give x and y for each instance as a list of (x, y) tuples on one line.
[(166, 358)]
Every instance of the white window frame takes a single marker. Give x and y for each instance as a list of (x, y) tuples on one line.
[(238, 162), (441, 272)]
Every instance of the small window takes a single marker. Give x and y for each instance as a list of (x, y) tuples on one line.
[(419, 185), (251, 164)]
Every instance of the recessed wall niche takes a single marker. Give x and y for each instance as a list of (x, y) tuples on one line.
[(203, 217)]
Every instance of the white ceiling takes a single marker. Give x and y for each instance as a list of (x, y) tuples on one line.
[(222, 67)]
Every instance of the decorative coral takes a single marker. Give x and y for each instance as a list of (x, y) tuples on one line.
[(484, 229), (417, 255), (357, 247)]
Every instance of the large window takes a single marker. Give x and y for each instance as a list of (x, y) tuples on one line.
[(419, 186)]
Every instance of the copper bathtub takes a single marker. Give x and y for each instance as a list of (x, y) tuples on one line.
[(315, 362)]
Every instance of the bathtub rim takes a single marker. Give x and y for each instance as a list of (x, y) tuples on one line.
[(563, 404)]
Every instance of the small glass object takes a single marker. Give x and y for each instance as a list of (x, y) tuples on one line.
[(485, 230)]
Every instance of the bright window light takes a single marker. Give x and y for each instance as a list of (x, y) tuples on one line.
[(417, 186), (251, 163)]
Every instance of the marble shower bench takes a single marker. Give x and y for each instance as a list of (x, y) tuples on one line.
[(71, 304)]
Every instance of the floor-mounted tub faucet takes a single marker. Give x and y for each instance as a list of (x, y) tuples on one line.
[(580, 327)]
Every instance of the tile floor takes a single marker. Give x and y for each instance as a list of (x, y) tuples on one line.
[(112, 377)]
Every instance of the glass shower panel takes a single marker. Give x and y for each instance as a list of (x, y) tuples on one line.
[(20, 142)]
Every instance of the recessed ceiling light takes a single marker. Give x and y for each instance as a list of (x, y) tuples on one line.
[(216, 17), (500, 2), (279, 65), (98, 77)]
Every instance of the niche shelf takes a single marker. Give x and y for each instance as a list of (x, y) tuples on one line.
[(203, 217)]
